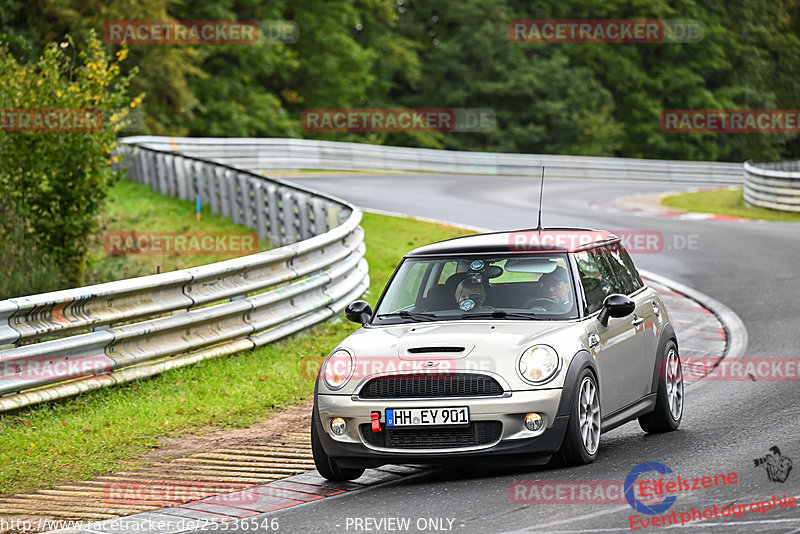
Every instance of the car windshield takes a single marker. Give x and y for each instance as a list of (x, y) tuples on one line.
[(533, 287)]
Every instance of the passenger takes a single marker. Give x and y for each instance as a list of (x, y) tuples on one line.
[(469, 290)]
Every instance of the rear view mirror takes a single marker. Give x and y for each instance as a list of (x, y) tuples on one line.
[(615, 305), (359, 312)]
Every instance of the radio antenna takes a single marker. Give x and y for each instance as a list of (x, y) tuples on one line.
[(541, 189)]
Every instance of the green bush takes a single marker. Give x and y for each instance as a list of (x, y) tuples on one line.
[(24, 268), (53, 182)]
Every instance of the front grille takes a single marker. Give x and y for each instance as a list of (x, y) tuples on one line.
[(477, 433), (430, 385)]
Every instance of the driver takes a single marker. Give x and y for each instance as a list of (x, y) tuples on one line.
[(470, 290), (556, 288)]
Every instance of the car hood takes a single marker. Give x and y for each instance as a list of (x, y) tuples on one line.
[(490, 346), (419, 340)]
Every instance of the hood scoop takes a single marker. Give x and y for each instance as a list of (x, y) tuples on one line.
[(434, 352), (428, 350)]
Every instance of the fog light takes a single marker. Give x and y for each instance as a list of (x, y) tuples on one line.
[(338, 426), (533, 421)]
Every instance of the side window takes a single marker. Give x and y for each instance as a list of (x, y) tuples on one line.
[(448, 269), (596, 277), (628, 280), (628, 262)]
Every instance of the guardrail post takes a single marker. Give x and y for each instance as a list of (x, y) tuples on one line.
[(160, 183), (148, 168), (132, 161), (247, 185), (227, 198), (239, 198), (288, 216), (303, 216), (181, 178), (215, 189), (204, 178), (172, 178), (273, 209), (260, 211), (192, 179)]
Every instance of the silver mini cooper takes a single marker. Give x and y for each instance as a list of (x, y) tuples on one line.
[(502, 347)]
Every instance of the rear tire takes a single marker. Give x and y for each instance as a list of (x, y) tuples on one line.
[(669, 400), (327, 466), (582, 439)]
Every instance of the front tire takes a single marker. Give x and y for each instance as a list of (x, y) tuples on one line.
[(582, 439), (669, 400), (327, 466)]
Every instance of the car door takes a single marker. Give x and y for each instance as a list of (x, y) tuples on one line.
[(616, 345), (644, 317), (596, 279), (639, 353)]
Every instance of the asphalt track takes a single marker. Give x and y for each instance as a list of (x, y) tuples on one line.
[(750, 267)]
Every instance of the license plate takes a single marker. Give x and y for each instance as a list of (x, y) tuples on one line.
[(427, 416)]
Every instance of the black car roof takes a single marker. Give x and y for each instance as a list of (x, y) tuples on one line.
[(529, 240)]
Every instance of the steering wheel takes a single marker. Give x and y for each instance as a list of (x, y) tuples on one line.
[(531, 303)]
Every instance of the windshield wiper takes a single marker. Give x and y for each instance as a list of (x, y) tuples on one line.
[(502, 314), (417, 316)]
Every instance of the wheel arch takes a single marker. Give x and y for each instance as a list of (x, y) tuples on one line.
[(582, 360), (667, 335)]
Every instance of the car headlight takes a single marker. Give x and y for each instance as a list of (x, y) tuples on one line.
[(338, 368), (538, 363)]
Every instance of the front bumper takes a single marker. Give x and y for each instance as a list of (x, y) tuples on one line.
[(516, 443)]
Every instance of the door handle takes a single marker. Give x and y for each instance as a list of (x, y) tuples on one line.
[(637, 321), (594, 340), (656, 309)]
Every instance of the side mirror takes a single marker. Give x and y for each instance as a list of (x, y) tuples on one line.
[(615, 305), (359, 312)]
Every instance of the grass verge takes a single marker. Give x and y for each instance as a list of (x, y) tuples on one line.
[(96, 432), (129, 207), (728, 202), (132, 207)]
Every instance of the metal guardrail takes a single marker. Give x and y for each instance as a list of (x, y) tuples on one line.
[(280, 154), (773, 185), (110, 333)]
